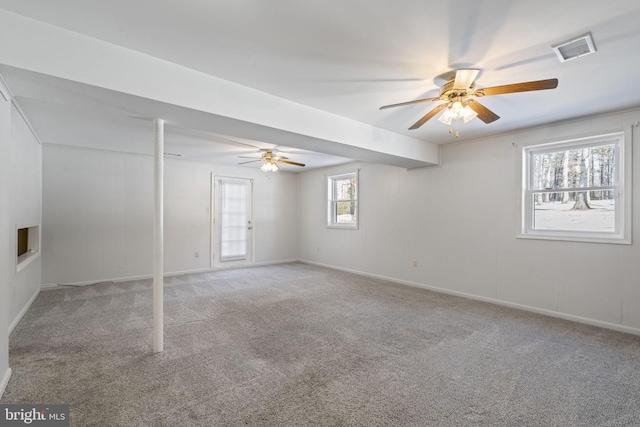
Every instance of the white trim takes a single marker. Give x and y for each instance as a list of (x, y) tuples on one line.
[(576, 236), (284, 261), (56, 286), (18, 108), (5, 381), (26, 121), (5, 90), (24, 260), (550, 313), (3, 95), (171, 158), (20, 315)]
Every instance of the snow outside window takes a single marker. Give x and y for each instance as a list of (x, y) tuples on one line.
[(575, 190), (343, 201)]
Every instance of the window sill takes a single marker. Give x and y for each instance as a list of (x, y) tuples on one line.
[(343, 227), (25, 259), (576, 238)]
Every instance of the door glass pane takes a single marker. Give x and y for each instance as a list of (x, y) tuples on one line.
[(234, 220)]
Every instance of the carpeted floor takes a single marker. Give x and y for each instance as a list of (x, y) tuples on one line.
[(300, 345)]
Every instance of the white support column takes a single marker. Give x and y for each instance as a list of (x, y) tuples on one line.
[(158, 254)]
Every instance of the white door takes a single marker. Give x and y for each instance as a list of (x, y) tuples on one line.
[(234, 227)]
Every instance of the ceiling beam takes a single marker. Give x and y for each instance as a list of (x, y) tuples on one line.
[(36, 46)]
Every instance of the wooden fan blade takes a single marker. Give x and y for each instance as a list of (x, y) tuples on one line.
[(427, 116), (290, 162), (464, 78), (248, 157), (250, 161), (484, 113), (417, 101), (518, 87)]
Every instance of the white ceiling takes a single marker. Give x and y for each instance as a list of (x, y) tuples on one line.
[(343, 57)]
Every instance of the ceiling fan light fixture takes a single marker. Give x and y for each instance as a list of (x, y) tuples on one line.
[(446, 117), (457, 111), (270, 161), (468, 114), (269, 166)]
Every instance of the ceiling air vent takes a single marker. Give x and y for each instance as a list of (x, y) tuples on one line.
[(575, 48)]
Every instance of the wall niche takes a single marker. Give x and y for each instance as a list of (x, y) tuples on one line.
[(27, 245)]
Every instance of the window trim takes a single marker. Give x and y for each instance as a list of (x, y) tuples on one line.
[(331, 223), (622, 235)]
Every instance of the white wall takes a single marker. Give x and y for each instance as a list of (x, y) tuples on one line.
[(459, 221), (25, 207), (98, 217), (20, 204)]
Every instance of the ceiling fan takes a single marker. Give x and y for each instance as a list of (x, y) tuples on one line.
[(270, 160), (458, 94)]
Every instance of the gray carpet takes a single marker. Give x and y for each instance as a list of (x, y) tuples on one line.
[(299, 345)]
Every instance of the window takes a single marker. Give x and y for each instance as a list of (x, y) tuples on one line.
[(343, 201), (575, 190)]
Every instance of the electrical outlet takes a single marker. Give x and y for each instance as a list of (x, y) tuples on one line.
[(197, 254), (415, 263)]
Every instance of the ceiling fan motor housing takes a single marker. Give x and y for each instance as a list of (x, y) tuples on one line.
[(447, 92)]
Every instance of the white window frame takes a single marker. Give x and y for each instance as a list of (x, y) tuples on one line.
[(332, 201), (622, 232)]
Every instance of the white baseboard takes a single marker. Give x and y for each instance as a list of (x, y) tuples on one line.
[(5, 381), (15, 321), (284, 261), (52, 286), (551, 313)]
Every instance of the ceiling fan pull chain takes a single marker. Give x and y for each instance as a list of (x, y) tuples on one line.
[(451, 127)]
